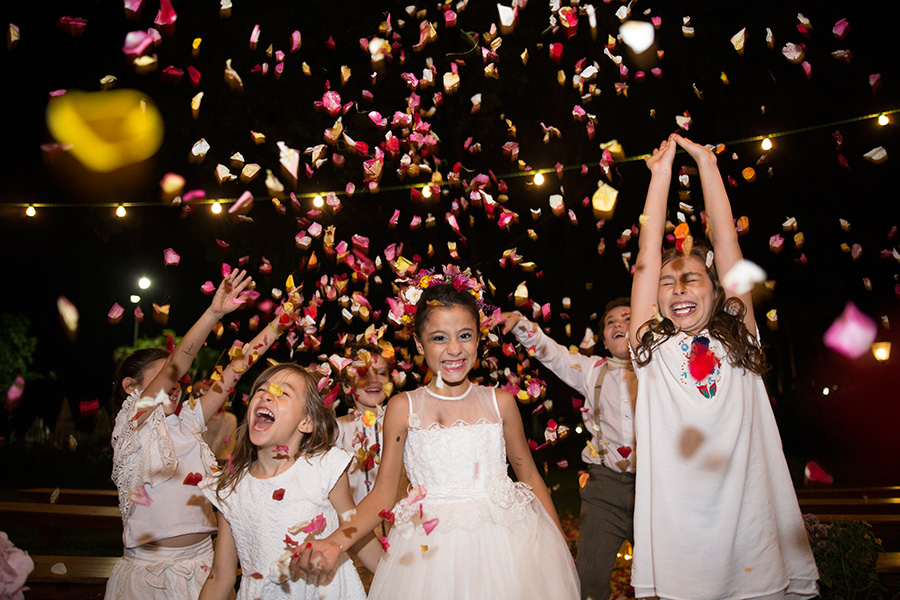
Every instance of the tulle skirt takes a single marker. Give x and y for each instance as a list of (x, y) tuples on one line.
[(516, 559), (160, 573)]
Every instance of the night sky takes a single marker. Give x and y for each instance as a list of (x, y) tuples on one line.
[(77, 248)]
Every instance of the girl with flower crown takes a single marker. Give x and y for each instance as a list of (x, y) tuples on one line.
[(715, 514), (466, 530)]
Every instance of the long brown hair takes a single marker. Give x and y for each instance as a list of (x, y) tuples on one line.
[(319, 440), (726, 323)]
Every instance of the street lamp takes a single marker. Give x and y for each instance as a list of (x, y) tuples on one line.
[(143, 283)]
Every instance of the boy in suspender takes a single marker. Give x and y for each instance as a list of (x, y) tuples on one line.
[(609, 388)]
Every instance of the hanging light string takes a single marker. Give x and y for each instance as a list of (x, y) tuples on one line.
[(432, 184)]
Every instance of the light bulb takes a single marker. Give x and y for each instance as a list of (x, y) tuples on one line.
[(120, 212), (318, 202), (144, 283), (30, 211), (767, 144), (216, 208), (538, 179), (426, 191), (883, 120)]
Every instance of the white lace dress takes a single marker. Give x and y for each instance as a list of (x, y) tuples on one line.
[(493, 538), (260, 512)]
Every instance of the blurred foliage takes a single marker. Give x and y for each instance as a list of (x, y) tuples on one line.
[(16, 349)]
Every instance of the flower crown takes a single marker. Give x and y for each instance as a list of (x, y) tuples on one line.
[(403, 308)]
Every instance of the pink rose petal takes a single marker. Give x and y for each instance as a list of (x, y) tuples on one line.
[(852, 333)]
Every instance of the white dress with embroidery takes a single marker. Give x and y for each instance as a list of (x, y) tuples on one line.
[(716, 516), (260, 512), (493, 538)]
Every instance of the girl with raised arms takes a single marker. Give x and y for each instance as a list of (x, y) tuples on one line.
[(716, 516)]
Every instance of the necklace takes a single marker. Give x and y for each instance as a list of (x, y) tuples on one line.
[(439, 397)]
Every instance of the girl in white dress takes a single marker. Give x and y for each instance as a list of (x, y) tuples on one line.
[(716, 516), (287, 485), (466, 530), (157, 455)]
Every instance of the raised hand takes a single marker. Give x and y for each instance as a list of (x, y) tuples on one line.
[(510, 320), (701, 154), (661, 159), (226, 298)]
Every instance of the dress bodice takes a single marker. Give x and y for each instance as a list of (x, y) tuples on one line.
[(456, 450)]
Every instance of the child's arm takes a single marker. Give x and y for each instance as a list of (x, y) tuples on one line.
[(645, 286), (219, 391), (223, 574), (575, 369), (183, 355), (519, 454), (322, 555), (368, 549), (722, 234)]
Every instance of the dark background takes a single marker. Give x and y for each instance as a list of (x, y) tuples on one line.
[(77, 248)]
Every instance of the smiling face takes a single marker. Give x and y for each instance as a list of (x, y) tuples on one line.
[(279, 419), (449, 341), (148, 375), (368, 393), (615, 331), (686, 294)]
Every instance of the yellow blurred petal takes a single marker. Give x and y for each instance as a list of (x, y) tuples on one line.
[(106, 130)]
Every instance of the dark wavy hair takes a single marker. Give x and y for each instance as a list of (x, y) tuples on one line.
[(444, 296), (132, 366), (726, 323), (321, 439)]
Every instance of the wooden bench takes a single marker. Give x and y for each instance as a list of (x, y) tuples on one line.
[(85, 577), (68, 496), (62, 515), (888, 569), (865, 505), (858, 492)]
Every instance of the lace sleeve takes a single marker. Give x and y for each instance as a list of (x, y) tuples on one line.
[(140, 455)]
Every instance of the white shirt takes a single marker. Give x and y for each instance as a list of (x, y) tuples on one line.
[(610, 422), (360, 440)]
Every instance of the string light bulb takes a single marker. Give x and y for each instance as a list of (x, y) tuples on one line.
[(538, 179), (426, 191), (144, 283), (883, 120), (318, 202), (216, 208), (120, 211), (767, 144), (30, 211), (881, 351)]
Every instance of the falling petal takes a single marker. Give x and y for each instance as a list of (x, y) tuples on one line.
[(852, 333)]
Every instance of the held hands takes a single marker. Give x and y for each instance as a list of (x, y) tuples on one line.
[(316, 559), (226, 298)]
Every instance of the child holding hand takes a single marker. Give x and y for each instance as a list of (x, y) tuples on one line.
[(716, 516), (465, 530), (286, 485)]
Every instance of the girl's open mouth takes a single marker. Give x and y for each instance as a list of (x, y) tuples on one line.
[(263, 419)]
